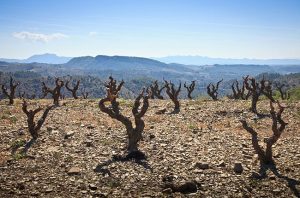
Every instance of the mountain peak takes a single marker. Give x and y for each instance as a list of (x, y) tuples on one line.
[(46, 54), (114, 62), (47, 58)]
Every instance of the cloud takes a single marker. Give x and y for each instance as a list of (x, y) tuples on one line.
[(38, 37), (93, 33)]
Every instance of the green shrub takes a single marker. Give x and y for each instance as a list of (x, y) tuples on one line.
[(13, 119), (276, 95), (19, 156), (294, 94), (18, 143), (203, 97)]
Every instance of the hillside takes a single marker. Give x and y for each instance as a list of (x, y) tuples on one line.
[(137, 72), (115, 63), (289, 80), (128, 68), (30, 83), (200, 144)]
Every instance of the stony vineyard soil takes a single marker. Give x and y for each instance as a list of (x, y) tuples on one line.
[(205, 144)]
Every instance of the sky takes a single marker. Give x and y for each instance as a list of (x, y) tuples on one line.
[(151, 28)]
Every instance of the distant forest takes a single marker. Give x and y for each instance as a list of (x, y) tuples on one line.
[(31, 84)]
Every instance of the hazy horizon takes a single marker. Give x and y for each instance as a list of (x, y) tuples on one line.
[(192, 56), (223, 29)]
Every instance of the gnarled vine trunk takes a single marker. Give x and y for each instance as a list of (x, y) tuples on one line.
[(134, 134)]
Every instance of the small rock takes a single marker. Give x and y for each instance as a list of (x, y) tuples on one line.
[(53, 149), (20, 186), (195, 131), (82, 186), (167, 191), (223, 175), (89, 143), (168, 178), (201, 165), (276, 190), (255, 118), (99, 194), (69, 134), (151, 136), (154, 147), (48, 190), (248, 156), (35, 193), (255, 175), (244, 145), (221, 164), (192, 108), (272, 177), (21, 132), (276, 155), (90, 127), (74, 171), (288, 169), (49, 128), (238, 168), (9, 160), (186, 187), (92, 187), (161, 111), (163, 145)]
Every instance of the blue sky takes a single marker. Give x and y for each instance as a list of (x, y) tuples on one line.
[(151, 28)]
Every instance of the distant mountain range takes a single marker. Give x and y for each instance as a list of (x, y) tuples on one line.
[(137, 72), (41, 58), (202, 60), (186, 60), (129, 68)]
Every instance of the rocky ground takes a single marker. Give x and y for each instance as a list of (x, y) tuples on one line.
[(203, 147)]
